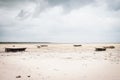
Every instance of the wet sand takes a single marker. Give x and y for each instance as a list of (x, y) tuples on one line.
[(60, 62)]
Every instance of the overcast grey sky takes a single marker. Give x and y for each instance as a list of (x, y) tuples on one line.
[(60, 20)]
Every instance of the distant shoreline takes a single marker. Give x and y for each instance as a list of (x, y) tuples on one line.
[(25, 43), (59, 43)]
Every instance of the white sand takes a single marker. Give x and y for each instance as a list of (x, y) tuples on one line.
[(60, 62)]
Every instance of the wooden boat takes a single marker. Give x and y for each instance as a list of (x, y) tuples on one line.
[(14, 49), (77, 45), (100, 49), (40, 46), (109, 47), (44, 45)]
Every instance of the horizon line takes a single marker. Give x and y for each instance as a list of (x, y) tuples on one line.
[(32, 42)]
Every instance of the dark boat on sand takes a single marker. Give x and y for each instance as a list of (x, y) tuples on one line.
[(100, 49), (15, 49)]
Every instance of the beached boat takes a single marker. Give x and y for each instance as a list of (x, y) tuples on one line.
[(109, 47), (77, 45), (14, 49), (100, 49)]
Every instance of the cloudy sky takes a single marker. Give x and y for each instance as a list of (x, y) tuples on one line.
[(84, 21)]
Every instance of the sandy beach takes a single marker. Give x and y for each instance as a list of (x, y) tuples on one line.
[(60, 62)]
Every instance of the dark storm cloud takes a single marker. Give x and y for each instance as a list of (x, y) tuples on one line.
[(50, 2), (11, 3), (23, 14), (41, 5), (67, 4), (113, 4)]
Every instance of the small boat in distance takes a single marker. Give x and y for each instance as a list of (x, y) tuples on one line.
[(77, 45)]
